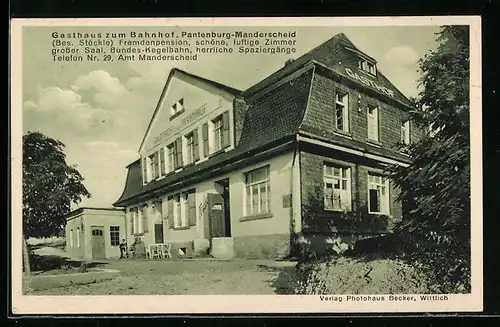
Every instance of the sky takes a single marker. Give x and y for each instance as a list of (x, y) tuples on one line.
[(100, 110)]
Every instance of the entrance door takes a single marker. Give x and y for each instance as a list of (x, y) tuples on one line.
[(224, 191), (216, 220), (98, 244)]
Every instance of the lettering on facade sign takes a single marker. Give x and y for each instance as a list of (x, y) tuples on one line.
[(217, 206), (190, 118), (369, 82)]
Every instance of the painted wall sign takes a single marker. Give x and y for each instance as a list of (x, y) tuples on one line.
[(369, 82), (184, 121)]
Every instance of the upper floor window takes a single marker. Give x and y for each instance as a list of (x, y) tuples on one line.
[(177, 108), (189, 148), (367, 66), (378, 194), (257, 191), (217, 134), (153, 166), (405, 132), (372, 115), (341, 111), (170, 158), (337, 188)]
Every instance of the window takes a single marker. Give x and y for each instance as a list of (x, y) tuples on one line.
[(78, 237), (153, 166), (217, 134), (337, 188), (405, 132), (190, 148), (114, 235), (257, 191), (177, 108), (170, 158), (341, 112), (71, 238), (372, 115), (378, 194), (179, 211), (367, 66), (139, 220)]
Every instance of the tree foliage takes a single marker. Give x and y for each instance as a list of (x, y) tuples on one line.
[(435, 188), (49, 186)]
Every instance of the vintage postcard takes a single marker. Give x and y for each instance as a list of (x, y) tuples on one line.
[(246, 165)]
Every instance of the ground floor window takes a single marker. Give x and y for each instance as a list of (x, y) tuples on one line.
[(258, 189), (114, 235), (78, 237), (71, 238), (182, 209), (378, 194), (337, 188)]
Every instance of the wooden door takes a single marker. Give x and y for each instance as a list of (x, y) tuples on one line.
[(217, 224), (98, 244), (159, 233)]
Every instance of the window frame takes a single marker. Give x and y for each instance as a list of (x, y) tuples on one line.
[(170, 154), (248, 193), (189, 148), (384, 182), (217, 145), (377, 121), (405, 132), (364, 65), (327, 178), (345, 110), (113, 235)]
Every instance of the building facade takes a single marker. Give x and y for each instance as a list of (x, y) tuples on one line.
[(95, 233), (297, 157)]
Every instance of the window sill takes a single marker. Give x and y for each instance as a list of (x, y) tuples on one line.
[(380, 214), (176, 114), (256, 217), (181, 228), (342, 133), (216, 153), (374, 143), (339, 211)]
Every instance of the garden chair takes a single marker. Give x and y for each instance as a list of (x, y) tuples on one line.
[(165, 251), (155, 251)]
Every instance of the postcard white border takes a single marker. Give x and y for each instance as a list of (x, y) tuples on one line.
[(198, 304)]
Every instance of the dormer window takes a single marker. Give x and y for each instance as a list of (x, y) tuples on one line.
[(177, 108), (367, 66)]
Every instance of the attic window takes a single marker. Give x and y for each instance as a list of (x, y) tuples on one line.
[(177, 108), (367, 66)]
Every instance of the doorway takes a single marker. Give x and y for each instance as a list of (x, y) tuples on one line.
[(222, 188), (98, 243)]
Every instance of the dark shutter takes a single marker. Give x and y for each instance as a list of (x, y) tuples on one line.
[(225, 130), (178, 153), (145, 225), (191, 208), (162, 161), (155, 166), (144, 170), (196, 148), (170, 212), (205, 140)]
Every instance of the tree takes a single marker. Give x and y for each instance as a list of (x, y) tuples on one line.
[(435, 188), (50, 185)]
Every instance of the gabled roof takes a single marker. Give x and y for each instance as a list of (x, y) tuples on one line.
[(174, 71), (333, 54), (271, 120)]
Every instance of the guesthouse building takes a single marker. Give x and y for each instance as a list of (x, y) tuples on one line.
[(300, 155)]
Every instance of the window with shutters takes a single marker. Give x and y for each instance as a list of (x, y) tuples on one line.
[(337, 188), (378, 194), (170, 158), (341, 111), (153, 166), (217, 134), (191, 149), (178, 157), (139, 220), (405, 132), (373, 128), (114, 235), (257, 185)]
